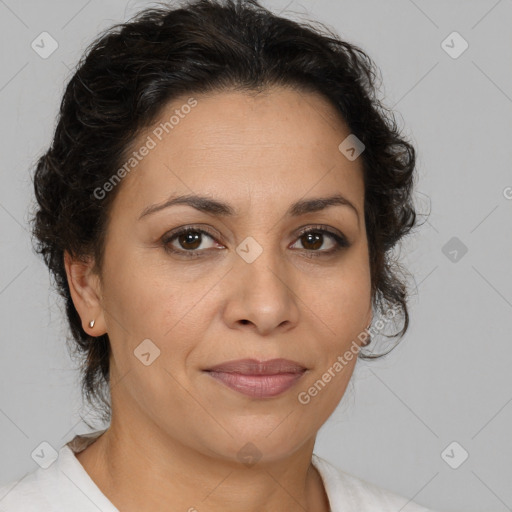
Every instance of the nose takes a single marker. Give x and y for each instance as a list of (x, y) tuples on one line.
[(261, 294)]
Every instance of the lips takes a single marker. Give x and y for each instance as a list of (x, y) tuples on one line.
[(254, 367), (258, 379)]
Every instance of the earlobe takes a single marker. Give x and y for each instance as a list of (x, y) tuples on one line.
[(85, 289), (369, 319)]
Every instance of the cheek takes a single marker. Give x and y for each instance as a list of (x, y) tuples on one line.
[(159, 303), (140, 293), (318, 398), (345, 301)]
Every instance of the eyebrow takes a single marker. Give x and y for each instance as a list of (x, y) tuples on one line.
[(213, 207)]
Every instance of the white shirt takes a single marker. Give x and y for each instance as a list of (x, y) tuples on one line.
[(65, 486)]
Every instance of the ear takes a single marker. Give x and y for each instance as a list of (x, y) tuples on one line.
[(85, 288), (370, 316), (366, 337)]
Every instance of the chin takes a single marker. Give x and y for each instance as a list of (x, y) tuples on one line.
[(258, 443)]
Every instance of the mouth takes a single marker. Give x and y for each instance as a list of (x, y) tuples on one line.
[(258, 379)]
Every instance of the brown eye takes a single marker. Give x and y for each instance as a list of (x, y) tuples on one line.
[(313, 239), (189, 240)]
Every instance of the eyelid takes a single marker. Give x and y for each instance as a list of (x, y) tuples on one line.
[(192, 227), (321, 227), (340, 239)]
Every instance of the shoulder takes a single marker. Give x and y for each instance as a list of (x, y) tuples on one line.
[(63, 485), (349, 493), (30, 493)]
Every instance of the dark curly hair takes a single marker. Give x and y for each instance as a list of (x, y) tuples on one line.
[(133, 69)]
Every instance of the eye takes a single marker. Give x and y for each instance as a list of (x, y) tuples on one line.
[(190, 241), (313, 239)]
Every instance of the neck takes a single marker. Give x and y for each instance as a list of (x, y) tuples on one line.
[(149, 472)]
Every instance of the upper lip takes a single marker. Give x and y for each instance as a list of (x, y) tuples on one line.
[(255, 367)]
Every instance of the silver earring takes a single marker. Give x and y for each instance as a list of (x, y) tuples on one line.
[(91, 324)]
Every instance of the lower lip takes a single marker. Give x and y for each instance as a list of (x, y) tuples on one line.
[(258, 386)]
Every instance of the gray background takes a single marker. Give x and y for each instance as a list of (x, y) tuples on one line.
[(450, 379)]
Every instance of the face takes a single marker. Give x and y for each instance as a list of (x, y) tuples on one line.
[(245, 282)]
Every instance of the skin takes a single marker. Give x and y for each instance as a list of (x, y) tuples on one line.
[(175, 431)]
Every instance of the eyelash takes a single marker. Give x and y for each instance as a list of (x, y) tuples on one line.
[(341, 241)]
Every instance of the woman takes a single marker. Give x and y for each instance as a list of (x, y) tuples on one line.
[(217, 209)]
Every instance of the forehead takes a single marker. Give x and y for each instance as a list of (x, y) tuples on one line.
[(236, 122), (275, 145)]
